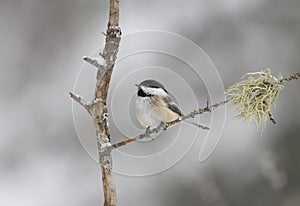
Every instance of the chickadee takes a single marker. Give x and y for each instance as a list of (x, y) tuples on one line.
[(154, 105)]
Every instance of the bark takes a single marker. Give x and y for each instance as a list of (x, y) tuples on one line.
[(97, 108)]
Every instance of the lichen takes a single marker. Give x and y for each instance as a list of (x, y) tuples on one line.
[(255, 96)]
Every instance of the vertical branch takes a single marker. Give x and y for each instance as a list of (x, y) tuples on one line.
[(114, 13), (97, 108), (99, 111)]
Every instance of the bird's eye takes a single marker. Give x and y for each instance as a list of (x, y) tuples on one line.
[(141, 93)]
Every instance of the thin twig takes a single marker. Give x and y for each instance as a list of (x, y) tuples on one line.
[(81, 101), (272, 118), (93, 62), (292, 77), (284, 80)]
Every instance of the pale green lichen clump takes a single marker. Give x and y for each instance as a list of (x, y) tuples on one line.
[(255, 96)]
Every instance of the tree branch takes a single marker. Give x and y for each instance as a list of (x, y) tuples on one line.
[(81, 101), (114, 13), (272, 118), (93, 62), (97, 108), (291, 77), (162, 127), (99, 111)]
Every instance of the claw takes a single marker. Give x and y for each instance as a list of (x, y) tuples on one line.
[(163, 125), (148, 131)]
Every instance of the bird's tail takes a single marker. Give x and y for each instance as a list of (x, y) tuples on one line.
[(196, 124)]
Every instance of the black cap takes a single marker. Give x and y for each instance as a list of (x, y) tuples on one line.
[(151, 83)]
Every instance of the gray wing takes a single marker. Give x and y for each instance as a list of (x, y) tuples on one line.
[(172, 106)]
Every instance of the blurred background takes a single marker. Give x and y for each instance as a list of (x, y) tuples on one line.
[(42, 162)]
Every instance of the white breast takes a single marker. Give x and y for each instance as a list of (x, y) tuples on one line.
[(144, 113)]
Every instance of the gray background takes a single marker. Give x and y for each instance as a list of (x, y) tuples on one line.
[(41, 159)]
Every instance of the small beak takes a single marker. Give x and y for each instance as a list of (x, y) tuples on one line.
[(136, 85)]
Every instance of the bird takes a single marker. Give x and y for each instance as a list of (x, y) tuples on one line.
[(155, 106)]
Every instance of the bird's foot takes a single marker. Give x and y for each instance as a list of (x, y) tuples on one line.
[(147, 132), (163, 125)]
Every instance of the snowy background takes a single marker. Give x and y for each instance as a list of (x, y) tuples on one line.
[(42, 162)]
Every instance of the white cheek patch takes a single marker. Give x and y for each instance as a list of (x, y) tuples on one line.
[(154, 91)]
